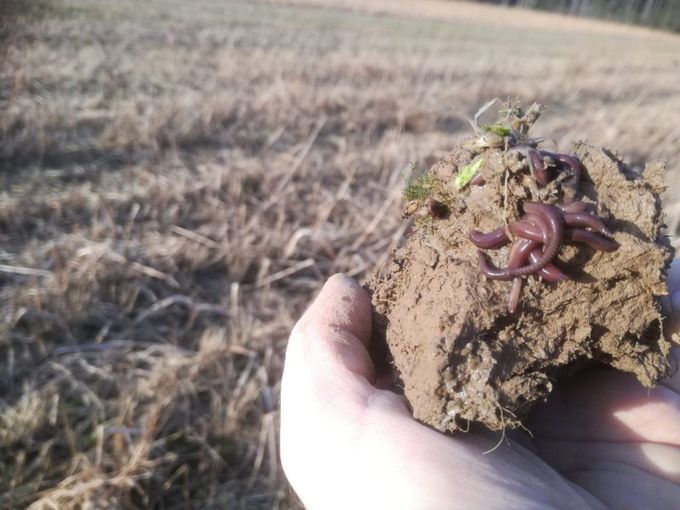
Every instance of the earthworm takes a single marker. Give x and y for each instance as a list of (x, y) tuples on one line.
[(491, 241), (535, 162), (515, 294), (586, 220), (526, 230), (573, 207), (518, 255), (530, 230), (538, 222), (535, 229), (478, 179), (540, 173), (540, 233), (520, 251), (571, 161), (592, 239), (494, 273), (555, 231), (550, 272)]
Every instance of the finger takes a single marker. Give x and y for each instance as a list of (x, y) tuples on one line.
[(569, 456), (344, 304), (332, 336), (604, 405), (627, 487), (326, 391), (608, 406)]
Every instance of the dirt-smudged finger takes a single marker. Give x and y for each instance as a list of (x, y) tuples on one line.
[(330, 340)]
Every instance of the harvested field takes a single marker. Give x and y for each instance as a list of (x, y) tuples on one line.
[(178, 179)]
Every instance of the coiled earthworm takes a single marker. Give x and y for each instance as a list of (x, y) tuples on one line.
[(550, 272), (571, 161), (527, 230), (592, 239), (573, 207), (539, 234), (491, 241), (586, 220), (555, 232)]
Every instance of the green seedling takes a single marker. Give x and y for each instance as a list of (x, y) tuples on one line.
[(467, 173)]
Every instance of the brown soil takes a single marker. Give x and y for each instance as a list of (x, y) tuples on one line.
[(461, 356)]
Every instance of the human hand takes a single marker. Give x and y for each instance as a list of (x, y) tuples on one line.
[(347, 444), (614, 438)]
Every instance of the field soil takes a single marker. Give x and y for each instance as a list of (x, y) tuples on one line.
[(462, 357), (177, 179)]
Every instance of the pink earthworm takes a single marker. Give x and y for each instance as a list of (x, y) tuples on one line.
[(555, 233), (586, 220), (541, 223), (478, 179), (534, 227), (491, 241), (520, 251), (518, 255), (539, 234), (550, 272), (535, 162), (539, 173), (571, 161), (573, 207), (515, 294), (592, 239), (494, 273), (526, 230), (530, 248)]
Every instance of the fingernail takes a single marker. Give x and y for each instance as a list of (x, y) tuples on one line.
[(675, 301)]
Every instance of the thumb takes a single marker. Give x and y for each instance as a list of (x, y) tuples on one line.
[(324, 389), (331, 339)]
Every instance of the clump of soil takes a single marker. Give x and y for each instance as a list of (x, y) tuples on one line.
[(461, 355)]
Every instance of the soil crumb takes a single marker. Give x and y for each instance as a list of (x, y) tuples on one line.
[(461, 355)]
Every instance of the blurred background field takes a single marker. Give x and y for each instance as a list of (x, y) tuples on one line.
[(178, 179)]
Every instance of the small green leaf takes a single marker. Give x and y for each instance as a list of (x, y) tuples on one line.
[(496, 129), (467, 173)]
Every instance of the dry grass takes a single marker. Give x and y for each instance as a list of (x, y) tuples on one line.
[(179, 178)]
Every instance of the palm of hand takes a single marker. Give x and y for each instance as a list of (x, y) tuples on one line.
[(613, 439), (347, 444)]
